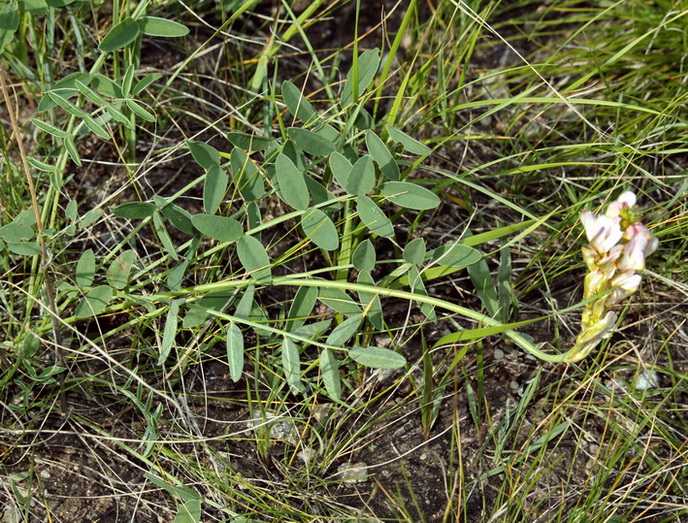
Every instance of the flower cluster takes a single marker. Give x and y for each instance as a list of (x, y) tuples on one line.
[(618, 246)]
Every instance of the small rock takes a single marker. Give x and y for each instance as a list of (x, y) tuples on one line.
[(353, 472), (646, 379), (498, 354), (44, 474)]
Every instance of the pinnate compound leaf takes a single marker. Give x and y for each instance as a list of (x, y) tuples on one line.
[(301, 307), (346, 330), (340, 167), (410, 195), (320, 229), (214, 301), (189, 512), (310, 142), (85, 269), (155, 26), (246, 176), (180, 218), (118, 273), (249, 142), (361, 179), (94, 302), (205, 155), (455, 255), (384, 159), (373, 217), (377, 357), (254, 258), (329, 371), (292, 366), (170, 331), (291, 185), (134, 210), (297, 103), (368, 64), (414, 252), (120, 35), (410, 144), (235, 351), (220, 228), (339, 301), (9, 23), (364, 256), (140, 111), (214, 188)]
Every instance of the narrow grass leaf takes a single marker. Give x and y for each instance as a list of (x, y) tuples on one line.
[(235, 351), (329, 371), (414, 252), (291, 185), (297, 103), (319, 228), (214, 188), (205, 155), (155, 26), (310, 142), (339, 301), (170, 331), (410, 195), (118, 273), (246, 176), (364, 256), (377, 357), (120, 35), (373, 217), (254, 258), (292, 366), (340, 167), (504, 291), (134, 210), (220, 228), (301, 307), (407, 142), (361, 179), (346, 330), (94, 302), (249, 142), (177, 491), (384, 159)]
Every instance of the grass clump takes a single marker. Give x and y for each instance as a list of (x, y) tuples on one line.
[(315, 262)]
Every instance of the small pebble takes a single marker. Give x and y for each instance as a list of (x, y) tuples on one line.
[(514, 385), (353, 472), (646, 379), (498, 354), (44, 474)]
